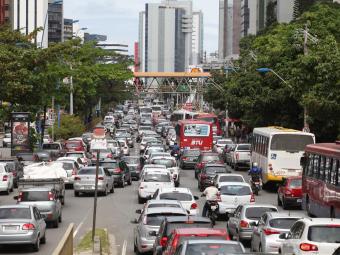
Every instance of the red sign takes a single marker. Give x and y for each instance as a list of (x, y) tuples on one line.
[(98, 133)]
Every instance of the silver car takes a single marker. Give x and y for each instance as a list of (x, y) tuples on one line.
[(148, 226), (265, 236), (6, 178), (84, 181), (241, 222), (22, 224)]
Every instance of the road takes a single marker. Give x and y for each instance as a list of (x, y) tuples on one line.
[(115, 213)]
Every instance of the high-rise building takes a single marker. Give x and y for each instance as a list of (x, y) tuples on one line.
[(68, 29), (197, 38), (27, 16), (165, 36), (285, 10), (4, 11), (55, 22), (141, 42)]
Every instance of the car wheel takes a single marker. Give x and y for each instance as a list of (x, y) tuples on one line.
[(11, 189), (36, 246), (76, 193), (43, 239), (284, 204), (7, 191), (56, 223), (260, 248), (278, 200), (140, 200)]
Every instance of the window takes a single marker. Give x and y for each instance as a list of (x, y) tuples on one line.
[(310, 165), (296, 231), (290, 142), (328, 167), (316, 166), (321, 174), (334, 175)]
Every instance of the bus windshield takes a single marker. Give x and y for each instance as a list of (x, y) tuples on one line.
[(196, 130), (290, 142)]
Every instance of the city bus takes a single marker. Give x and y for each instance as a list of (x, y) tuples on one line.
[(181, 115), (195, 134), (321, 180), (212, 118), (278, 150)]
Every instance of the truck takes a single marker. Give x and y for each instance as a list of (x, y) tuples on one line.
[(55, 150)]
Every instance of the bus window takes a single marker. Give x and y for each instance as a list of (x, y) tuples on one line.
[(321, 175), (196, 130), (328, 165), (316, 166), (290, 142), (310, 165)]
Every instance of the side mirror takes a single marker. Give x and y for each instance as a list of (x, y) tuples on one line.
[(134, 221), (196, 197), (152, 233), (15, 197), (283, 236)]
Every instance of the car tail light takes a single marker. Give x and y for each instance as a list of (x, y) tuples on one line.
[(109, 155), (50, 196), (14, 174), (5, 178), (252, 198), (184, 158), (244, 224), (268, 231), (193, 206), (308, 247), (100, 178), (164, 241), (28, 226), (77, 178)]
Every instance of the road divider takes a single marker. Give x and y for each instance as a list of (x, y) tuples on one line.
[(65, 246)]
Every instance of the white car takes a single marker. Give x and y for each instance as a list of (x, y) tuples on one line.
[(227, 178), (151, 150), (152, 180), (6, 178), (6, 141), (220, 144), (74, 159), (144, 141), (79, 154), (234, 194), (312, 236), (171, 164), (154, 167), (160, 203), (183, 195), (124, 146)]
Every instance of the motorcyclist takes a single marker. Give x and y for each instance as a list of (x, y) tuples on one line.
[(211, 194), (255, 173), (175, 149)]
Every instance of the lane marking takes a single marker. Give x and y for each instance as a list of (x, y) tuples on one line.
[(124, 247)]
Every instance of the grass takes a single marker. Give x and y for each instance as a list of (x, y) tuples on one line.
[(86, 242)]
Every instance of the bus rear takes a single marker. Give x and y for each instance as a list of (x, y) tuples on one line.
[(211, 118), (196, 135)]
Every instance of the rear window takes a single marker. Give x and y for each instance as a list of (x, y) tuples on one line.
[(282, 223), (75, 155), (295, 183), (256, 212), (72, 144), (176, 196), (244, 147), (132, 160), (156, 219), (208, 158), (235, 190), (213, 248), (324, 234), (15, 213), (151, 177), (88, 171), (67, 166), (34, 196), (231, 179), (165, 162), (215, 170), (51, 146), (190, 224), (109, 165)]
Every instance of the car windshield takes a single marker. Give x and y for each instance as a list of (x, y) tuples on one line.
[(156, 219), (212, 249), (109, 165), (295, 183), (283, 223), (231, 178), (290, 142), (50, 146), (191, 153), (214, 170), (15, 213), (325, 233), (235, 190), (176, 196), (88, 171), (154, 177), (165, 162), (34, 196), (208, 158), (243, 147), (188, 224), (256, 212)]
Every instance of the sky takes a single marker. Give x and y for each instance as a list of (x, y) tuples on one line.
[(118, 19)]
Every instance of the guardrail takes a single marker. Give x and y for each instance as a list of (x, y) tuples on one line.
[(65, 246)]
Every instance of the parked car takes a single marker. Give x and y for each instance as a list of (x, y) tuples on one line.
[(240, 156), (6, 179), (84, 181), (229, 177), (204, 158), (241, 223), (311, 236), (290, 192), (22, 224), (148, 225), (206, 176), (189, 158), (265, 236), (7, 140), (15, 167)]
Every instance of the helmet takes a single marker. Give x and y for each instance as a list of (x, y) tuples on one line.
[(254, 164)]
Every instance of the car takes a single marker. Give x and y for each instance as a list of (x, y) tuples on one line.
[(84, 181), (148, 225), (234, 194), (134, 165), (290, 192), (311, 236), (124, 146), (71, 167), (171, 164), (151, 150), (158, 154), (204, 158), (240, 156), (240, 223), (265, 236), (147, 167), (188, 158), (15, 167), (206, 246), (160, 203), (115, 148), (6, 179), (43, 156), (182, 234), (74, 145), (7, 140), (151, 180), (160, 125), (82, 155), (184, 195), (87, 137), (172, 222), (220, 145), (103, 154), (144, 141), (72, 159), (206, 176), (229, 177), (119, 170), (26, 158), (22, 224)]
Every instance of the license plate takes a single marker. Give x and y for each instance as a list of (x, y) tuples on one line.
[(299, 200), (11, 228)]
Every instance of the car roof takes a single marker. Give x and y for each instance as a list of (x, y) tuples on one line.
[(149, 166), (229, 174), (155, 210), (107, 160), (214, 165), (316, 221), (209, 153), (163, 201), (233, 183), (189, 218), (36, 189), (173, 189), (156, 171), (208, 231), (163, 157)]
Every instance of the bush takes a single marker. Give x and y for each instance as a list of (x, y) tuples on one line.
[(70, 126)]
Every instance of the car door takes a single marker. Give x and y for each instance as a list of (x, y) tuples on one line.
[(40, 221), (232, 223), (127, 171), (10, 176), (109, 178)]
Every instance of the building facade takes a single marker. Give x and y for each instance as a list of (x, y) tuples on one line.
[(27, 16), (68, 29), (55, 22), (197, 38), (285, 10), (4, 11)]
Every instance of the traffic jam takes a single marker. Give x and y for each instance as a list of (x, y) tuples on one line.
[(151, 146)]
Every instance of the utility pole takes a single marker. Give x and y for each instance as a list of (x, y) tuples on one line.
[(71, 93), (305, 51)]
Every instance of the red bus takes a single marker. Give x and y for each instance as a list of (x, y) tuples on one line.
[(212, 118), (321, 180), (195, 134)]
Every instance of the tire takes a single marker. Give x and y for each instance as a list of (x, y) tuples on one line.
[(11, 189), (279, 203), (43, 239), (308, 208), (122, 184), (56, 223), (332, 213), (7, 192), (260, 248), (284, 204), (36, 246), (76, 193)]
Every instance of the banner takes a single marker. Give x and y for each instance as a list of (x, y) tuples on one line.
[(20, 130)]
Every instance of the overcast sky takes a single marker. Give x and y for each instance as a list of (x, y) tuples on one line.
[(118, 19)]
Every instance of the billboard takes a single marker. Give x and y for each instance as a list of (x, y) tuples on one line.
[(20, 132)]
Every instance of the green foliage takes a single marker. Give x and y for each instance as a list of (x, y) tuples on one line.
[(70, 126)]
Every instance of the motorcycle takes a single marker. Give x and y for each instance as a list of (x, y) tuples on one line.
[(256, 184), (212, 211)]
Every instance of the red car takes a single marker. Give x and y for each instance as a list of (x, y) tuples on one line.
[(290, 192), (74, 145), (182, 234), (204, 158)]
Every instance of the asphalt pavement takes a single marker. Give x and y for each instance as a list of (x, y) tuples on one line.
[(115, 213)]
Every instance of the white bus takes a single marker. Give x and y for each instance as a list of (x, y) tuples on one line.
[(278, 151), (181, 115)]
